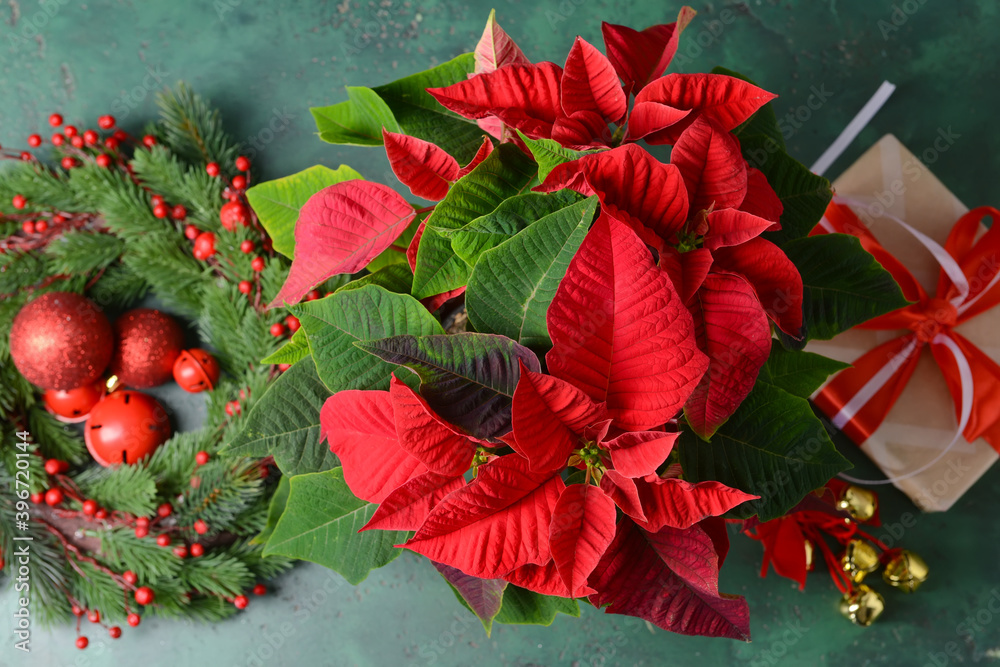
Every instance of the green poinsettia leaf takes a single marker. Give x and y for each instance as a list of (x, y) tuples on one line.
[(549, 154), (396, 253), (358, 121), (505, 173), (512, 285), (274, 510), (773, 446), (843, 285), (797, 372), (523, 607), (285, 423), (510, 217), (277, 202), (296, 349), (395, 278), (467, 378), (320, 524), (803, 194), (420, 115), (335, 323)]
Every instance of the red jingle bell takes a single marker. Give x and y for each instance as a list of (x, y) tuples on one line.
[(196, 370), (73, 405), (234, 214), (149, 343), (125, 427)]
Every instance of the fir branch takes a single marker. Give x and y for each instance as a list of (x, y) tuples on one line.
[(192, 129), (44, 189), (223, 491), (120, 287), (218, 574), (124, 551), (83, 252), (127, 488), (55, 440), (192, 187), (19, 270)]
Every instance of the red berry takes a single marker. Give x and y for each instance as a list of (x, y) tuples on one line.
[(19, 202), (55, 120), (41, 226), (259, 589), (161, 211), (143, 595), (26, 156), (70, 131), (239, 182), (52, 466), (53, 497), (204, 246), (241, 601), (200, 527), (201, 458), (120, 135), (68, 162), (141, 531), (212, 169), (90, 137), (103, 160), (257, 264), (34, 140), (130, 577), (233, 408), (101, 514), (77, 610), (165, 510), (77, 141), (277, 329), (81, 643), (142, 521), (234, 214), (284, 367), (181, 551), (312, 295), (111, 144), (247, 246), (134, 619), (58, 219), (242, 163), (197, 550), (58, 139), (38, 498), (149, 141), (114, 632), (292, 323), (89, 507), (156, 200), (191, 232), (106, 122), (245, 286), (94, 616), (163, 540), (179, 212), (28, 226)]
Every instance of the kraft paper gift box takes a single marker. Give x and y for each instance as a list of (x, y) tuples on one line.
[(890, 179)]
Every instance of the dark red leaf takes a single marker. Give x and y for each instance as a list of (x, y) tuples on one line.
[(581, 131), (620, 332), (494, 524), (408, 505), (484, 151), (773, 276), (624, 492), (545, 579), (583, 525), (712, 165), (761, 199), (496, 49), (679, 504), (640, 453), (433, 441), (484, 596), (589, 83), (362, 433), (671, 579), (640, 57), (732, 329), (715, 528), (730, 227), (687, 269), (420, 165), (652, 117)]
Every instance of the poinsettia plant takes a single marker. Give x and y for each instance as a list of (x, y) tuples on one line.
[(621, 370)]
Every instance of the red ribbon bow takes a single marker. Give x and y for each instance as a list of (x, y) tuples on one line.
[(930, 321)]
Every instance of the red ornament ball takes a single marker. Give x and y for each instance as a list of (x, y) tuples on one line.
[(234, 214), (196, 370), (149, 343), (61, 340), (125, 427), (143, 595), (204, 246), (73, 405)]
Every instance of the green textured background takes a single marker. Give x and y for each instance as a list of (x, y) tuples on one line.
[(265, 63)]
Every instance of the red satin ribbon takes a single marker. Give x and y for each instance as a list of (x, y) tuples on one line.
[(925, 318)]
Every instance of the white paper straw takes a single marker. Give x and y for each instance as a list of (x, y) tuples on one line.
[(853, 128)]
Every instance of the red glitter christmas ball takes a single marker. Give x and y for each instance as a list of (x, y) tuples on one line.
[(148, 343), (61, 340), (125, 427), (73, 405)]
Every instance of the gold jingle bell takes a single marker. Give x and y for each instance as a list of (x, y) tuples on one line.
[(860, 503), (906, 571), (859, 559), (863, 606)]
